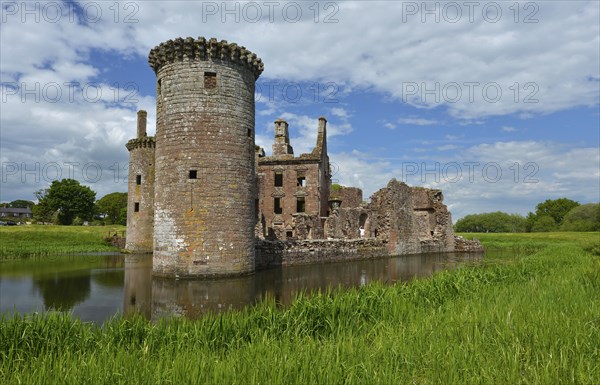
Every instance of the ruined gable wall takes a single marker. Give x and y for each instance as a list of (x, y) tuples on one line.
[(351, 197), (413, 219)]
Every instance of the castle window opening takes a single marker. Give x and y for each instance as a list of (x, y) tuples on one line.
[(138, 179), (301, 181), (289, 234), (362, 220), (136, 207), (300, 205), (210, 80), (249, 133), (159, 87), (278, 179), (193, 174), (277, 205)]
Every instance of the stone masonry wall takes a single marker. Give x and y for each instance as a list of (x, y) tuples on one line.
[(288, 193), (345, 223), (351, 197), (463, 245), (205, 150), (288, 253), (413, 219), (140, 190), (286, 179)]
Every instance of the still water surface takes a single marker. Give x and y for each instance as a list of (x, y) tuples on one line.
[(95, 288)]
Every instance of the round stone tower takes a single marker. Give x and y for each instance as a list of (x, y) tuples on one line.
[(205, 179), (140, 188)]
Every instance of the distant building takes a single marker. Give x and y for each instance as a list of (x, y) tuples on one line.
[(15, 212)]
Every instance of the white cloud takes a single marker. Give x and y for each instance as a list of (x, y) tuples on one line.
[(439, 56), (340, 113), (508, 129), (447, 147), (554, 61), (417, 121), (506, 176)]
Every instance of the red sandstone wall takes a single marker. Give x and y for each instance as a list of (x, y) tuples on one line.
[(204, 226)]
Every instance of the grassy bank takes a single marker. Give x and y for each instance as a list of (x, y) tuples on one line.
[(38, 240), (525, 318)]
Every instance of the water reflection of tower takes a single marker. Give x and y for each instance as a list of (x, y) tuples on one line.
[(137, 297), (194, 298)]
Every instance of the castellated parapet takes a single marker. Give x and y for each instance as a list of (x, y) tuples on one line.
[(140, 189), (200, 49), (205, 186)]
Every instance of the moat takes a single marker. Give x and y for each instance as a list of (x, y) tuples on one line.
[(95, 288)]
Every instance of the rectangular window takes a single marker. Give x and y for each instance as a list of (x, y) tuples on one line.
[(301, 181), (210, 80), (136, 207), (138, 180), (289, 234), (193, 174), (300, 205), (277, 204), (278, 179)]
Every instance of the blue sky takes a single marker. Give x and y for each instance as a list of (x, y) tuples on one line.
[(495, 103)]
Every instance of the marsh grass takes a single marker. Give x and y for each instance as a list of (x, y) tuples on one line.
[(21, 242), (526, 319)]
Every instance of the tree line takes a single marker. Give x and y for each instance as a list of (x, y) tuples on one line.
[(67, 202), (561, 214)]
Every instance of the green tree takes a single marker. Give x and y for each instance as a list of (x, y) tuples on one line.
[(529, 222), (549, 214), (21, 204), (497, 222), (555, 208), (110, 207), (123, 216), (68, 199), (582, 218), (544, 223), (42, 212)]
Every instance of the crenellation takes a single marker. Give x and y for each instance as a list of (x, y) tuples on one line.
[(144, 142), (200, 49)]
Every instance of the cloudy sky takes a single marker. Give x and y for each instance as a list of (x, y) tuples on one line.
[(496, 103)]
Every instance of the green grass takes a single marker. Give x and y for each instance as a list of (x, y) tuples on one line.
[(27, 241), (516, 319)]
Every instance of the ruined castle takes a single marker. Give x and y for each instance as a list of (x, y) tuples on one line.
[(207, 202)]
